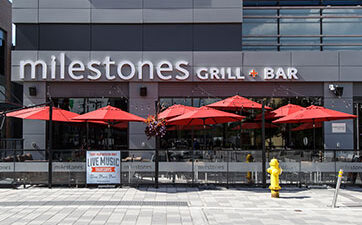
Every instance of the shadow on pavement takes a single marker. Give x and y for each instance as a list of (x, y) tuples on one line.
[(294, 197)]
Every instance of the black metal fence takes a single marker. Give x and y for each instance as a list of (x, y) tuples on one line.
[(198, 167)]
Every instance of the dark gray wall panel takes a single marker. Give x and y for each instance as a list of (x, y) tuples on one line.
[(217, 37), (173, 37), (116, 4), (27, 37), (64, 37), (130, 37), (88, 90), (116, 37)]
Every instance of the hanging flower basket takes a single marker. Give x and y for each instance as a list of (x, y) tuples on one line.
[(155, 127)]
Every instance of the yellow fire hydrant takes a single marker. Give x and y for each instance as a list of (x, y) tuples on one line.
[(274, 170), (249, 158)]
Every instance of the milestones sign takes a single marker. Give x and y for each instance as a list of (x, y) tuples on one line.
[(61, 68), (103, 167)]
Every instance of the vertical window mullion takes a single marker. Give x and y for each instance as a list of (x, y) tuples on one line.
[(278, 29), (321, 28)]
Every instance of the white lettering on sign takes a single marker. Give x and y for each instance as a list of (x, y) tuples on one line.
[(279, 73), (142, 70), (213, 73)]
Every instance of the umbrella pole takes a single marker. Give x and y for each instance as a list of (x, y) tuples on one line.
[(87, 134), (109, 136), (241, 132), (192, 155), (50, 146), (289, 135), (241, 138), (263, 143), (314, 141)]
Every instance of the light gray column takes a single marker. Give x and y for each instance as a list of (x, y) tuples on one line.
[(34, 131), (342, 104), (141, 106)]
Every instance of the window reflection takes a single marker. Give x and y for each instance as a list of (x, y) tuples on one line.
[(2, 52), (302, 29)]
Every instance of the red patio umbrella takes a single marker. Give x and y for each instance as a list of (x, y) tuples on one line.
[(236, 103), (110, 114), (269, 115), (175, 110), (314, 114), (253, 126), (286, 110), (307, 126), (280, 112), (204, 115), (42, 113)]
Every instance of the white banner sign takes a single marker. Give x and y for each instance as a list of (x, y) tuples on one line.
[(338, 127), (103, 167)]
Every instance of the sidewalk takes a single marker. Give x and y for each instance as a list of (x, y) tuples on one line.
[(178, 206)]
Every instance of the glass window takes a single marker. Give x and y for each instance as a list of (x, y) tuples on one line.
[(341, 2), (299, 2), (260, 32), (74, 135), (300, 33), (2, 52), (260, 3), (343, 32)]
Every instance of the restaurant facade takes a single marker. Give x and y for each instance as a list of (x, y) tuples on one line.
[(85, 54)]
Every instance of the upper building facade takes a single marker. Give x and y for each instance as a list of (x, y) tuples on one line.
[(5, 49), (87, 53)]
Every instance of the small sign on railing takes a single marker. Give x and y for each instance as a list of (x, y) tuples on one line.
[(103, 167)]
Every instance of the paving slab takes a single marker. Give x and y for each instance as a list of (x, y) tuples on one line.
[(178, 205)]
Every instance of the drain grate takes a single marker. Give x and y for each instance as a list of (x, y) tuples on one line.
[(97, 203)]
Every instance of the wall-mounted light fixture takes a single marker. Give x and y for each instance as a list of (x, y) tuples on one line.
[(32, 91), (143, 91), (336, 90)]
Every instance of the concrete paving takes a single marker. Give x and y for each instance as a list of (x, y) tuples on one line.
[(170, 205)]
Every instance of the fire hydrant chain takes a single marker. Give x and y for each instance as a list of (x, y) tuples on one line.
[(274, 170)]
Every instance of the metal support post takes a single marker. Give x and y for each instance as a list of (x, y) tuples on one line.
[(337, 188), (157, 147)]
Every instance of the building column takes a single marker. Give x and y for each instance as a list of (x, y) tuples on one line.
[(142, 106), (343, 104), (34, 131)]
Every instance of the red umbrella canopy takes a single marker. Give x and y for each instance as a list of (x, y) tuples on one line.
[(269, 115), (307, 126), (42, 113), (109, 114), (286, 110), (175, 110), (205, 115), (314, 114), (253, 126), (236, 103), (121, 125)]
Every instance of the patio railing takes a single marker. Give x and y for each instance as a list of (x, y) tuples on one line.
[(199, 167)]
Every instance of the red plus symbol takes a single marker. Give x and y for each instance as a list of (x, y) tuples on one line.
[(253, 73)]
